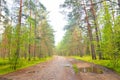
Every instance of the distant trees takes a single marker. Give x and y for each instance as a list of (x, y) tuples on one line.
[(4, 24), (79, 7), (28, 35), (98, 21), (71, 43)]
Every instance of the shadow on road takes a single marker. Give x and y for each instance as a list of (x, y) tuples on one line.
[(2, 78)]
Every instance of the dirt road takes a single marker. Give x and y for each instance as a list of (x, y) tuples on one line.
[(59, 68)]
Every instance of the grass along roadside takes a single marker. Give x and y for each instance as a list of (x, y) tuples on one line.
[(6, 68), (106, 63), (75, 68)]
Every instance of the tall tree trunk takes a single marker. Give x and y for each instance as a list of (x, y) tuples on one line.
[(18, 36), (96, 29), (29, 40), (119, 6), (9, 48), (0, 10), (119, 3), (35, 36), (90, 34)]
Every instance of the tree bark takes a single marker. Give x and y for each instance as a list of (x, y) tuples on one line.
[(0, 11), (35, 36), (96, 29), (18, 35), (119, 3), (29, 40), (90, 34)]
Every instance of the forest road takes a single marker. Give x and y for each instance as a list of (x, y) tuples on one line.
[(60, 68), (57, 69)]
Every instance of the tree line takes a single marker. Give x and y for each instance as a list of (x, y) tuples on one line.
[(26, 32), (93, 29)]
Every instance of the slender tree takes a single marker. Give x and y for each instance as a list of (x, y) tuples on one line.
[(18, 30), (96, 29), (90, 34)]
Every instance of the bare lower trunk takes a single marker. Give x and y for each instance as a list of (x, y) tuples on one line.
[(35, 38), (90, 35), (96, 29)]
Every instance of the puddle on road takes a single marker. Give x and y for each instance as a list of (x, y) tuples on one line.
[(91, 69), (67, 65), (33, 72)]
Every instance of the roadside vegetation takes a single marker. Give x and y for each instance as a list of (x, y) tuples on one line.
[(106, 63), (5, 66), (75, 68)]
